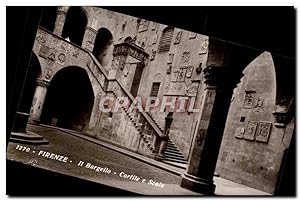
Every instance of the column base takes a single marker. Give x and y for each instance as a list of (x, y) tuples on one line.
[(20, 134), (20, 123), (197, 184), (27, 138)]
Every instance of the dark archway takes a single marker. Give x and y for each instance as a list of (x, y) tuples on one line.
[(34, 72), (69, 99), (75, 24), (49, 17), (104, 40)]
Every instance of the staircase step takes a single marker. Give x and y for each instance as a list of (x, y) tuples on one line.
[(171, 145), (172, 148), (179, 165), (176, 160), (174, 157), (31, 142), (174, 154)]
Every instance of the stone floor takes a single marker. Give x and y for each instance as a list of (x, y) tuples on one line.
[(81, 148)]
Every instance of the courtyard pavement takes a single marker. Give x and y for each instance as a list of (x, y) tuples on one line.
[(115, 166)]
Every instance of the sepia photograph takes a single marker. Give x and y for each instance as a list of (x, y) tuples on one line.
[(145, 105)]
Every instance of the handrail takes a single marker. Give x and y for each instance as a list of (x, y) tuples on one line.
[(103, 71)]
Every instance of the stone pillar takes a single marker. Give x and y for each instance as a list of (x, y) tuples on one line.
[(60, 21), (164, 140), (89, 38), (206, 142), (38, 100)]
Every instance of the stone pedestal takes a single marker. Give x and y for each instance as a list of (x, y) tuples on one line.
[(38, 100), (206, 142), (20, 122)]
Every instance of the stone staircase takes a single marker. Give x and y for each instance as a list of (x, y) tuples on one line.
[(155, 121), (174, 155)]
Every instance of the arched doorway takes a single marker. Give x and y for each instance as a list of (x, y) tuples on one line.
[(75, 24), (69, 99), (48, 18), (34, 72), (104, 40)]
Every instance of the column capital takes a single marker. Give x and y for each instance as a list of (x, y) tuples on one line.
[(221, 77), (280, 119), (42, 83)]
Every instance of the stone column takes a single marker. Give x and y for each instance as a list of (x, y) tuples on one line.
[(60, 21), (89, 38), (207, 139), (38, 100)]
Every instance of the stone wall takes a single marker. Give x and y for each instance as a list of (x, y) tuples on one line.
[(252, 147)]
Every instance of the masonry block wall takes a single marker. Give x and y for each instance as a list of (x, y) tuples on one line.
[(252, 147)]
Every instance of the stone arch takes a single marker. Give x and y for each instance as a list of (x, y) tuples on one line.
[(75, 24), (103, 44), (69, 100), (34, 72)]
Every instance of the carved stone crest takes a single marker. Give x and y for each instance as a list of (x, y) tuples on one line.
[(250, 130), (259, 105), (192, 35), (41, 37), (153, 25), (181, 75), (178, 37), (44, 51), (153, 54), (48, 74), (189, 71), (185, 57), (263, 131), (239, 132), (170, 58), (204, 47), (154, 40), (143, 25), (249, 99), (61, 58)]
